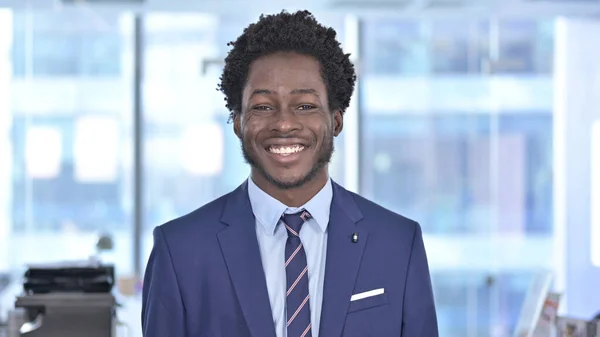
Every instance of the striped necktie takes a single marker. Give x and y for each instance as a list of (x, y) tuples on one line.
[(296, 269)]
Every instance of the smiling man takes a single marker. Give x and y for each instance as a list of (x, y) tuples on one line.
[(289, 253)]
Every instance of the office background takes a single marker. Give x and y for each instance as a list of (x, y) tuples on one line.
[(484, 128)]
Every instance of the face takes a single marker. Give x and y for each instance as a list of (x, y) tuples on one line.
[(285, 126)]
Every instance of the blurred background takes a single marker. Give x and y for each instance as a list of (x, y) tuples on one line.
[(480, 119)]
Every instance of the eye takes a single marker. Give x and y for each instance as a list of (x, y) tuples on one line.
[(261, 107), (306, 107)]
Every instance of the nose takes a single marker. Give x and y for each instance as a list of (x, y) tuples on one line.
[(285, 121)]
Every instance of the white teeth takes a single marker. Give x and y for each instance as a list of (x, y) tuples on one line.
[(286, 150)]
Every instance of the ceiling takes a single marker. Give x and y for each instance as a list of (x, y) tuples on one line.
[(409, 8)]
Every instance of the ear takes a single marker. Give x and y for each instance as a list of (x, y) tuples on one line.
[(338, 122), (237, 128)]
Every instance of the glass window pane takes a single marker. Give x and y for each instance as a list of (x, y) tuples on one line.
[(395, 47), (65, 142), (458, 46), (525, 46), (467, 159), (411, 47), (65, 43)]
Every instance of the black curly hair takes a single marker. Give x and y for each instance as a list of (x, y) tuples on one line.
[(288, 32)]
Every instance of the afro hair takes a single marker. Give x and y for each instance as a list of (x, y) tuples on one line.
[(288, 32)]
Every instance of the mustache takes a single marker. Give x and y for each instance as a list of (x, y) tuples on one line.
[(311, 139)]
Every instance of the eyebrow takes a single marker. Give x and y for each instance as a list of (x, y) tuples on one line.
[(303, 91)]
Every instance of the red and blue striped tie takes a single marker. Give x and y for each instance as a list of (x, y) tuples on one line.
[(296, 269)]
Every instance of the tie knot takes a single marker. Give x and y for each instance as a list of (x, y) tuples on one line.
[(293, 222)]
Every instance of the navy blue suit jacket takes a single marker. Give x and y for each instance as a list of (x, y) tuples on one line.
[(204, 277)]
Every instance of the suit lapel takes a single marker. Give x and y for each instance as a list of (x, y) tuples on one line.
[(342, 262), (242, 256)]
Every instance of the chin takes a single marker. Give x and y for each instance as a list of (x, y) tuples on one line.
[(289, 181)]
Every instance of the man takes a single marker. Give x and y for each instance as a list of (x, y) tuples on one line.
[(289, 253)]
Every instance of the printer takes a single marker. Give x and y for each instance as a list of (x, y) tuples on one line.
[(65, 300)]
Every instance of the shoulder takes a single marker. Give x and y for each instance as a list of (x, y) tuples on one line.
[(379, 219), (197, 224)]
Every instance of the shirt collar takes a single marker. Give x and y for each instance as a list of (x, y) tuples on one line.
[(268, 210)]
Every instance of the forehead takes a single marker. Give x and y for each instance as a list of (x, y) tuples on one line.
[(285, 71)]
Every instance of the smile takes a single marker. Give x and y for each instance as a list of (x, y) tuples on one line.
[(285, 150)]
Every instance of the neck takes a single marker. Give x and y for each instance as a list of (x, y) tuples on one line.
[(292, 197)]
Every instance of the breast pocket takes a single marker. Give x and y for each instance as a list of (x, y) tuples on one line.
[(368, 302), (368, 317)]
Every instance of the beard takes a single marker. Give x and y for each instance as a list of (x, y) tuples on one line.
[(324, 157)]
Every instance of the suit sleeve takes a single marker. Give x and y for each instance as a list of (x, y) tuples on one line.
[(162, 306), (419, 315)]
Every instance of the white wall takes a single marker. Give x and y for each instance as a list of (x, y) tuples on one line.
[(577, 106)]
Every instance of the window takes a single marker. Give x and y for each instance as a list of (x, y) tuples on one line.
[(449, 189), (68, 142), (459, 47), (418, 47), (61, 44), (464, 154), (395, 47), (524, 46)]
